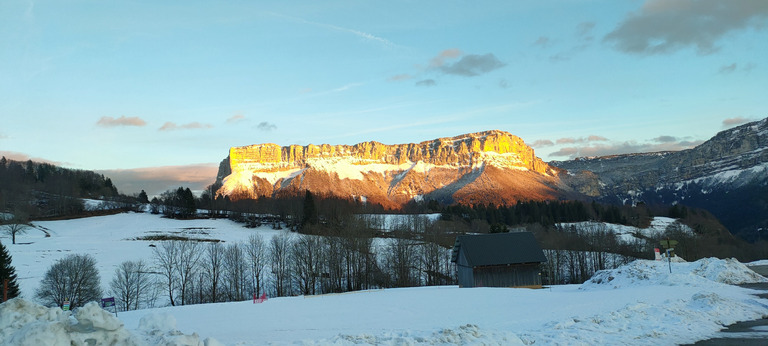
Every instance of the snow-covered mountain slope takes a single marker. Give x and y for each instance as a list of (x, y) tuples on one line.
[(732, 158), (727, 175), (489, 167), (629, 234)]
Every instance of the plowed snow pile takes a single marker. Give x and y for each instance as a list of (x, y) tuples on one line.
[(643, 272), (25, 323)]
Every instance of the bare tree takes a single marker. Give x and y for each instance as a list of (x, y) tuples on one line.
[(188, 264), (400, 258), (235, 272), (334, 264), (74, 278), (257, 254), (213, 264), (166, 260), (17, 225), (306, 259), (279, 249), (133, 286)]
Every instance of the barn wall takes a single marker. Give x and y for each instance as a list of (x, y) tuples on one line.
[(464, 271), (507, 276)]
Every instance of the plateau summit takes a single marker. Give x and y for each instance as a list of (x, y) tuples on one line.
[(484, 167)]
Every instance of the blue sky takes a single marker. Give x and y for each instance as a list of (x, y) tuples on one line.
[(159, 91)]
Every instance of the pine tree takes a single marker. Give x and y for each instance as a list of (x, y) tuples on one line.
[(310, 211), (143, 197), (8, 272)]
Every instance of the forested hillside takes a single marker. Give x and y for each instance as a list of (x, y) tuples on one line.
[(40, 190)]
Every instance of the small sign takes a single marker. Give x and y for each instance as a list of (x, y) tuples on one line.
[(65, 306), (107, 302), (668, 243)]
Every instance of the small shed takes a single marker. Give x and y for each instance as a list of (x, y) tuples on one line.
[(498, 260)]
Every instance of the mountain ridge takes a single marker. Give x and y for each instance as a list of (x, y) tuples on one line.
[(727, 174), (444, 169)]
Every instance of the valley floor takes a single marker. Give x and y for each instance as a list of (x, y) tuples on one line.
[(637, 304)]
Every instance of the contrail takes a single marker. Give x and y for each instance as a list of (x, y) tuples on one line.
[(358, 33)]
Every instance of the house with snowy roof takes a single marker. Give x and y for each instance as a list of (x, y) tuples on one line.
[(498, 260)]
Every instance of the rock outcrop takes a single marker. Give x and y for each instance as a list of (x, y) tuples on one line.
[(486, 167)]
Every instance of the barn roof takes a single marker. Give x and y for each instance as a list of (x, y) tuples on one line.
[(499, 248)]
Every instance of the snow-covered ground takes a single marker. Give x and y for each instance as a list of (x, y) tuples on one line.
[(629, 234), (637, 304), (110, 240)]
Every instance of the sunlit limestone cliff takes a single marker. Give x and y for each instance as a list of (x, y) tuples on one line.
[(486, 167)]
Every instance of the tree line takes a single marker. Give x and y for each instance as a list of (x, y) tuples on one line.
[(40, 190), (287, 264)]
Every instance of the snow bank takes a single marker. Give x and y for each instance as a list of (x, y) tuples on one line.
[(26, 323), (645, 272), (758, 263), (468, 334)]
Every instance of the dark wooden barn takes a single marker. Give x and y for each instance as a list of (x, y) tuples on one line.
[(498, 260)]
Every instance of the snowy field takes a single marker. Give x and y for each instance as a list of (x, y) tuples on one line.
[(629, 234), (637, 304), (110, 240)]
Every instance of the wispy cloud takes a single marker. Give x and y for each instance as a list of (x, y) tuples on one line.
[(342, 88), (730, 122), (541, 143), (400, 77), (121, 121), (665, 26), (542, 42), (266, 127), (591, 149), (727, 68), (584, 30), (426, 83), (236, 118), (171, 126), (573, 140), (17, 156), (439, 60), (155, 180), (665, 139)]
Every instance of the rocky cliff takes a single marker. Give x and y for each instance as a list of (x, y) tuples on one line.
[(486, 167)]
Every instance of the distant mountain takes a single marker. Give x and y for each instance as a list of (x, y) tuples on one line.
[(727, 175), (485, 167)]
